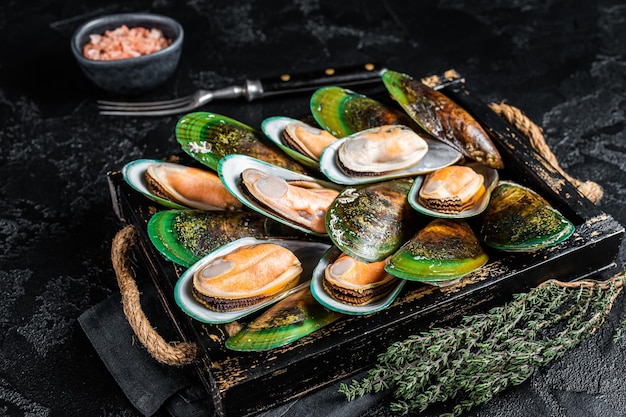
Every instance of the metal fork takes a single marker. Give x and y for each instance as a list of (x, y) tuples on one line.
[(250, 89)]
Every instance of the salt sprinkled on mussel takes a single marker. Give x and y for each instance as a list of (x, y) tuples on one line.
[(307, 139), (443, 118), (452, 189), (303, 202), (518, 219), (189, 186), (246, 276), (444, 250), (353, 282), (380, 150)]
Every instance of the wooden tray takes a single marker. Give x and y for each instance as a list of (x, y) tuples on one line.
[(245, 383)]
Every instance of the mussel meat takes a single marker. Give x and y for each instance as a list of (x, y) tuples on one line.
[(518, 219), (379, 150), (452, 189), (443, 118), (444, 250), (246, 276), (303, 202), (307, 139), (353, 282), (189, 186)]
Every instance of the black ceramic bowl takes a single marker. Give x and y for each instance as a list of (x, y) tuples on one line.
[(130, 75)]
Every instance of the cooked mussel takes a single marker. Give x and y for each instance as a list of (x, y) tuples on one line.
[(443, 118), (353, 282), (246, 276), (189, 186), (208, 137), (304, 202), (343, 112), (380, 150), (370, 222), (443, 250), (452, 189), (186, 236), (296, 316), (518, 219)]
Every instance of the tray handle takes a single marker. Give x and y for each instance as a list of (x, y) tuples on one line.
[(184, 353), (521, 122), (176, 354)]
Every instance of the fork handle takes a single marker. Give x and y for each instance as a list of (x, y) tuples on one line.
[(306, 81)]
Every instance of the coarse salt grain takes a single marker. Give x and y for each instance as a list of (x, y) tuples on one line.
[(123, 42)]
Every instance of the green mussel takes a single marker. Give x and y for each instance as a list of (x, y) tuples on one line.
[(370, 222), (186, 236), (343, 112), (518, 219), (444, 250), (443, 118), (294, 317), (208, 137)]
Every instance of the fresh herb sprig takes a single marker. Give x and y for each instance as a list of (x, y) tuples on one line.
[(467, 365)]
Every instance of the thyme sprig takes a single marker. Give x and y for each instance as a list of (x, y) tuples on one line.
[(467, 365)]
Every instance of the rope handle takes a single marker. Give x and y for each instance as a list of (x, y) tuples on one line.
[(167, 353), (185, 353)]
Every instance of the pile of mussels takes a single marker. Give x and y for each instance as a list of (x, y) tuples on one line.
[(332, 213)]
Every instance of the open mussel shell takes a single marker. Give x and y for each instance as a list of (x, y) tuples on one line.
[(439, 254), (309, 253), (518, 219), (134, 173), (208, 137), (343, 112), (298, 148), (186, 236), (438, 156), (230, 170), (370, 222), (322, 296), (437, 114), (490, 180), (291, 319)]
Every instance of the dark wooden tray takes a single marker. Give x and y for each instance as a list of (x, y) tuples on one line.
[(245, 383)]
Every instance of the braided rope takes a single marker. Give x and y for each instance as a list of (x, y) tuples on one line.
[(185, 353), (517, 118), (162, 351)]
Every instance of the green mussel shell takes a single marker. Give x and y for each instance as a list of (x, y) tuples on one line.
[(518, 219), (208, 137), (343, 112), (186, 236), (370, 222), (445, 249), (287, 321), (442, 118)]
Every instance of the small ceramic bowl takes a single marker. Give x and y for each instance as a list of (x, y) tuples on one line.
[(130, 75)]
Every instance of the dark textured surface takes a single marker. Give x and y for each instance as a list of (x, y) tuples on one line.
[(562, 62)]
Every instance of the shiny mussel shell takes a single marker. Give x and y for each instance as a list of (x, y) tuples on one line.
[(443, 118), (189, 186), (343, 112), (287, 321), (246, 276), (445, 249), (186, 236), (208, 137), (518, 219), (370, 222)]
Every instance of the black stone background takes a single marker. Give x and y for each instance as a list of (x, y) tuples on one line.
[(561, 61)]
